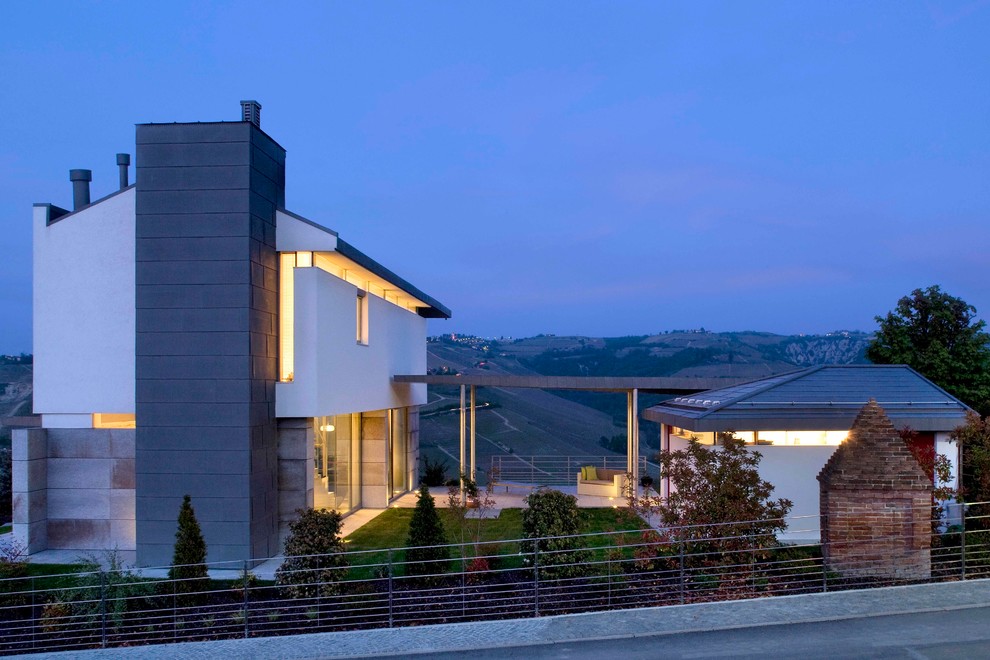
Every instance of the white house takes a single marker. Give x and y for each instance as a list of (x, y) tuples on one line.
[(192, 336), (797, 420)]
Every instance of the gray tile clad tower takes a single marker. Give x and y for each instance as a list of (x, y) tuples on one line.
[(206, 362)]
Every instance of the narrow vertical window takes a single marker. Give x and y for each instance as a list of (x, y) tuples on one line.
[(362, 317), (286, 317)]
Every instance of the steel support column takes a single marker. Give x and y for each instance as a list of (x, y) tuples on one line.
[(632, 439), (474, 476), (462, 469)]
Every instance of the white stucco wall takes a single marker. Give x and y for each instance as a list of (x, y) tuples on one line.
[(293, 234), (84, 309), (333, 374), (793, 471)]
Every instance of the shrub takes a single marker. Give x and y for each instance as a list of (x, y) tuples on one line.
[(428, 552), (120, 589), (13, 564), (314, 555), (434, 472), (548, 516), (6, 472), (189, 558), (718, 502)]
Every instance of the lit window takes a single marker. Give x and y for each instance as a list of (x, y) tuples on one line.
[(286, 311), (113, 421), (362, 317)]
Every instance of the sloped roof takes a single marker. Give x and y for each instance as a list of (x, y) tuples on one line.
[(818, 398), (873, 448)]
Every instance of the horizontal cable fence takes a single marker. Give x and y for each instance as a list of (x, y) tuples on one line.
[(465, 582)]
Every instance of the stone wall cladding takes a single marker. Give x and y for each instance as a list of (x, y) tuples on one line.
[(875, 504), (206, 360), (79, 488), (296, 454), (29, 464)]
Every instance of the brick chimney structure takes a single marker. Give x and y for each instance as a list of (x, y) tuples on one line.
[(876, 504)]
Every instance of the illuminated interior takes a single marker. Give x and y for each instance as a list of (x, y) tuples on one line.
[(337, 462), (114, 421), (398, 447), (341, 267), (362, 318), (776, 438), (286, 317)]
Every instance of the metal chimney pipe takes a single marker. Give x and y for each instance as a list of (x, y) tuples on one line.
[(123, 160), (80, 187), (251, 112)]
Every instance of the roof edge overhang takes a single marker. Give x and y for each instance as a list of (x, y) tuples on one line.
[(781, 420), (57, 213), (434, 310), (665, 384)]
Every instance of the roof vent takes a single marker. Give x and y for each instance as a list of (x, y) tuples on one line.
[(251, 112), (80, 187), (123, 161)]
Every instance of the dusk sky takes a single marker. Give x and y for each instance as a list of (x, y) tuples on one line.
[(594, 168)]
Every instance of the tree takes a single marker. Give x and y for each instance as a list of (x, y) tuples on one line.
[(189, 558), (6, 474), (939, 336), (718, 501), (314, 555), (428, 552), (974, 438), (551, 520)]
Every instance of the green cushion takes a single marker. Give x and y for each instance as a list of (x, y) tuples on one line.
[(592, 473), (584, 473)]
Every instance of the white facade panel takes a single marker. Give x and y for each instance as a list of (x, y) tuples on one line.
[(84, 309), (334, 374), (295, 235)]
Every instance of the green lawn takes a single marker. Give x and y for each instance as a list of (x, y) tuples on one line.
[(500, 535), (391, 528)]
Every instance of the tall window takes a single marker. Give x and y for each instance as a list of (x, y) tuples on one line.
[(337, 462), (362, 317), (286, 317), (399, 448)]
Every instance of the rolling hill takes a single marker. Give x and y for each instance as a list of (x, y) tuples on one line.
[(537, 422)]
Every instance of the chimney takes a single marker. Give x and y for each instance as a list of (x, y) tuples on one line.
[(80, 187), (123, 160), (251, 111)]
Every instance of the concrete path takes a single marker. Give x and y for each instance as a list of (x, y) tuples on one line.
[(510, 636)]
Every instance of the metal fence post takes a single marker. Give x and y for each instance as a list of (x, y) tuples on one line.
[(823, 536), (962, 545), (319, 591), (536, 577), (390, 588), (247, 628), (608, 560), (34, 616), (175, 614), (103, 609), (681, 580)]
